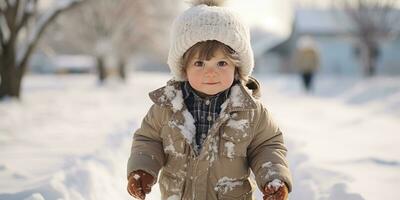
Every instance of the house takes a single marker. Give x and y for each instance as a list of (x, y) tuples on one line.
[(336, 41), (61, 64), (74, 64)]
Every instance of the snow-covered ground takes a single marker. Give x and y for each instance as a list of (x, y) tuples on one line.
[(70, 139)]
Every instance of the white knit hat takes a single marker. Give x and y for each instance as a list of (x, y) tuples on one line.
[(203, 22)]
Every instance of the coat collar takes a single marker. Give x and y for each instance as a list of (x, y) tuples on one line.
[(242, 97)]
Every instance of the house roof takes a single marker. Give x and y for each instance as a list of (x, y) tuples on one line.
[(74, 62), (318, 21)]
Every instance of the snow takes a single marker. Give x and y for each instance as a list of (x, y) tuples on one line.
[(177, 102), (342, 138), (136, 176), (171, 149), (270, 172), (237, 99), (175, 97), (230, 149), (35, 196), (238, 124), (68, 138), (188, 129), (267, 164), (226, 184), (173, 197), (276, 183), (223, 107)]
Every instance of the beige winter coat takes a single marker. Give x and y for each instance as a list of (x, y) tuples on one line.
[(243, 138)]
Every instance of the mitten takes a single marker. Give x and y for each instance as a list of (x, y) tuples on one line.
[(139, 184), (275, 190)]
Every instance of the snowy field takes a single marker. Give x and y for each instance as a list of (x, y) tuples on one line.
[(70, 139)]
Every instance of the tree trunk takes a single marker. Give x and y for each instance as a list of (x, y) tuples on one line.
[(10, 83), (101, 69), (122, 69), (369, 54), (373, 53)]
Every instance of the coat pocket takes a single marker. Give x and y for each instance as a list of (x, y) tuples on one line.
[(235, 138), (171, 185), (174, 144), (243, 191)]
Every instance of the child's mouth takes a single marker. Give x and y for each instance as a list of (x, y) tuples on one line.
[(211, 83)]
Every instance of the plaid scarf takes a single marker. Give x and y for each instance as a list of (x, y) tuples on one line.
[(205, 109)]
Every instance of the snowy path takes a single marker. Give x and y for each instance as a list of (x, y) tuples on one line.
[(70, 139), (341, 147)]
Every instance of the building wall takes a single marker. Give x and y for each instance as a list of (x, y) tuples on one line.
[(337, 56), (389, 61)]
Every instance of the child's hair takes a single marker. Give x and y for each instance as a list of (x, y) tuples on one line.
[(206, 49)]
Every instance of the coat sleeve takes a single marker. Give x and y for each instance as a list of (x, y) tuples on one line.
[(267, 152), (147, 151)]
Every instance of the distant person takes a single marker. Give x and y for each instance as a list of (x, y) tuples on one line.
[(307, 61), (207, 128)]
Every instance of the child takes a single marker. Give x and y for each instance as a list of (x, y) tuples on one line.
[(207, 128)]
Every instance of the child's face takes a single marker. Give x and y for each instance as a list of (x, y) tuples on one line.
[(211, 76)]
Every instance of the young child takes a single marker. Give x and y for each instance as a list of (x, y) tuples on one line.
[(207, 129)]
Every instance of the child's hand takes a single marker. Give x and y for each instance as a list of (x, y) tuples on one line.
[(139, 184), (275, 190)]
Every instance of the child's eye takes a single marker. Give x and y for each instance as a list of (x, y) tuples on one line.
[(199, 63), (222, 63)]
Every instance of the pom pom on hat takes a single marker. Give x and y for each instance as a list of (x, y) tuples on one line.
[(207, 2)]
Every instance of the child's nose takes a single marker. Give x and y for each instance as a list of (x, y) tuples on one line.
[(210, 71)]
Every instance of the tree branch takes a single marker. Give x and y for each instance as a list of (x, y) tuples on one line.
[(1, 42), (8, 14), (3, 7), (27, 11), (1, 38), (43, 22), (8, 3)]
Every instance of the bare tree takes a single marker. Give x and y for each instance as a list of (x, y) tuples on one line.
[(21, 27), (116, 29), (374, 21)]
